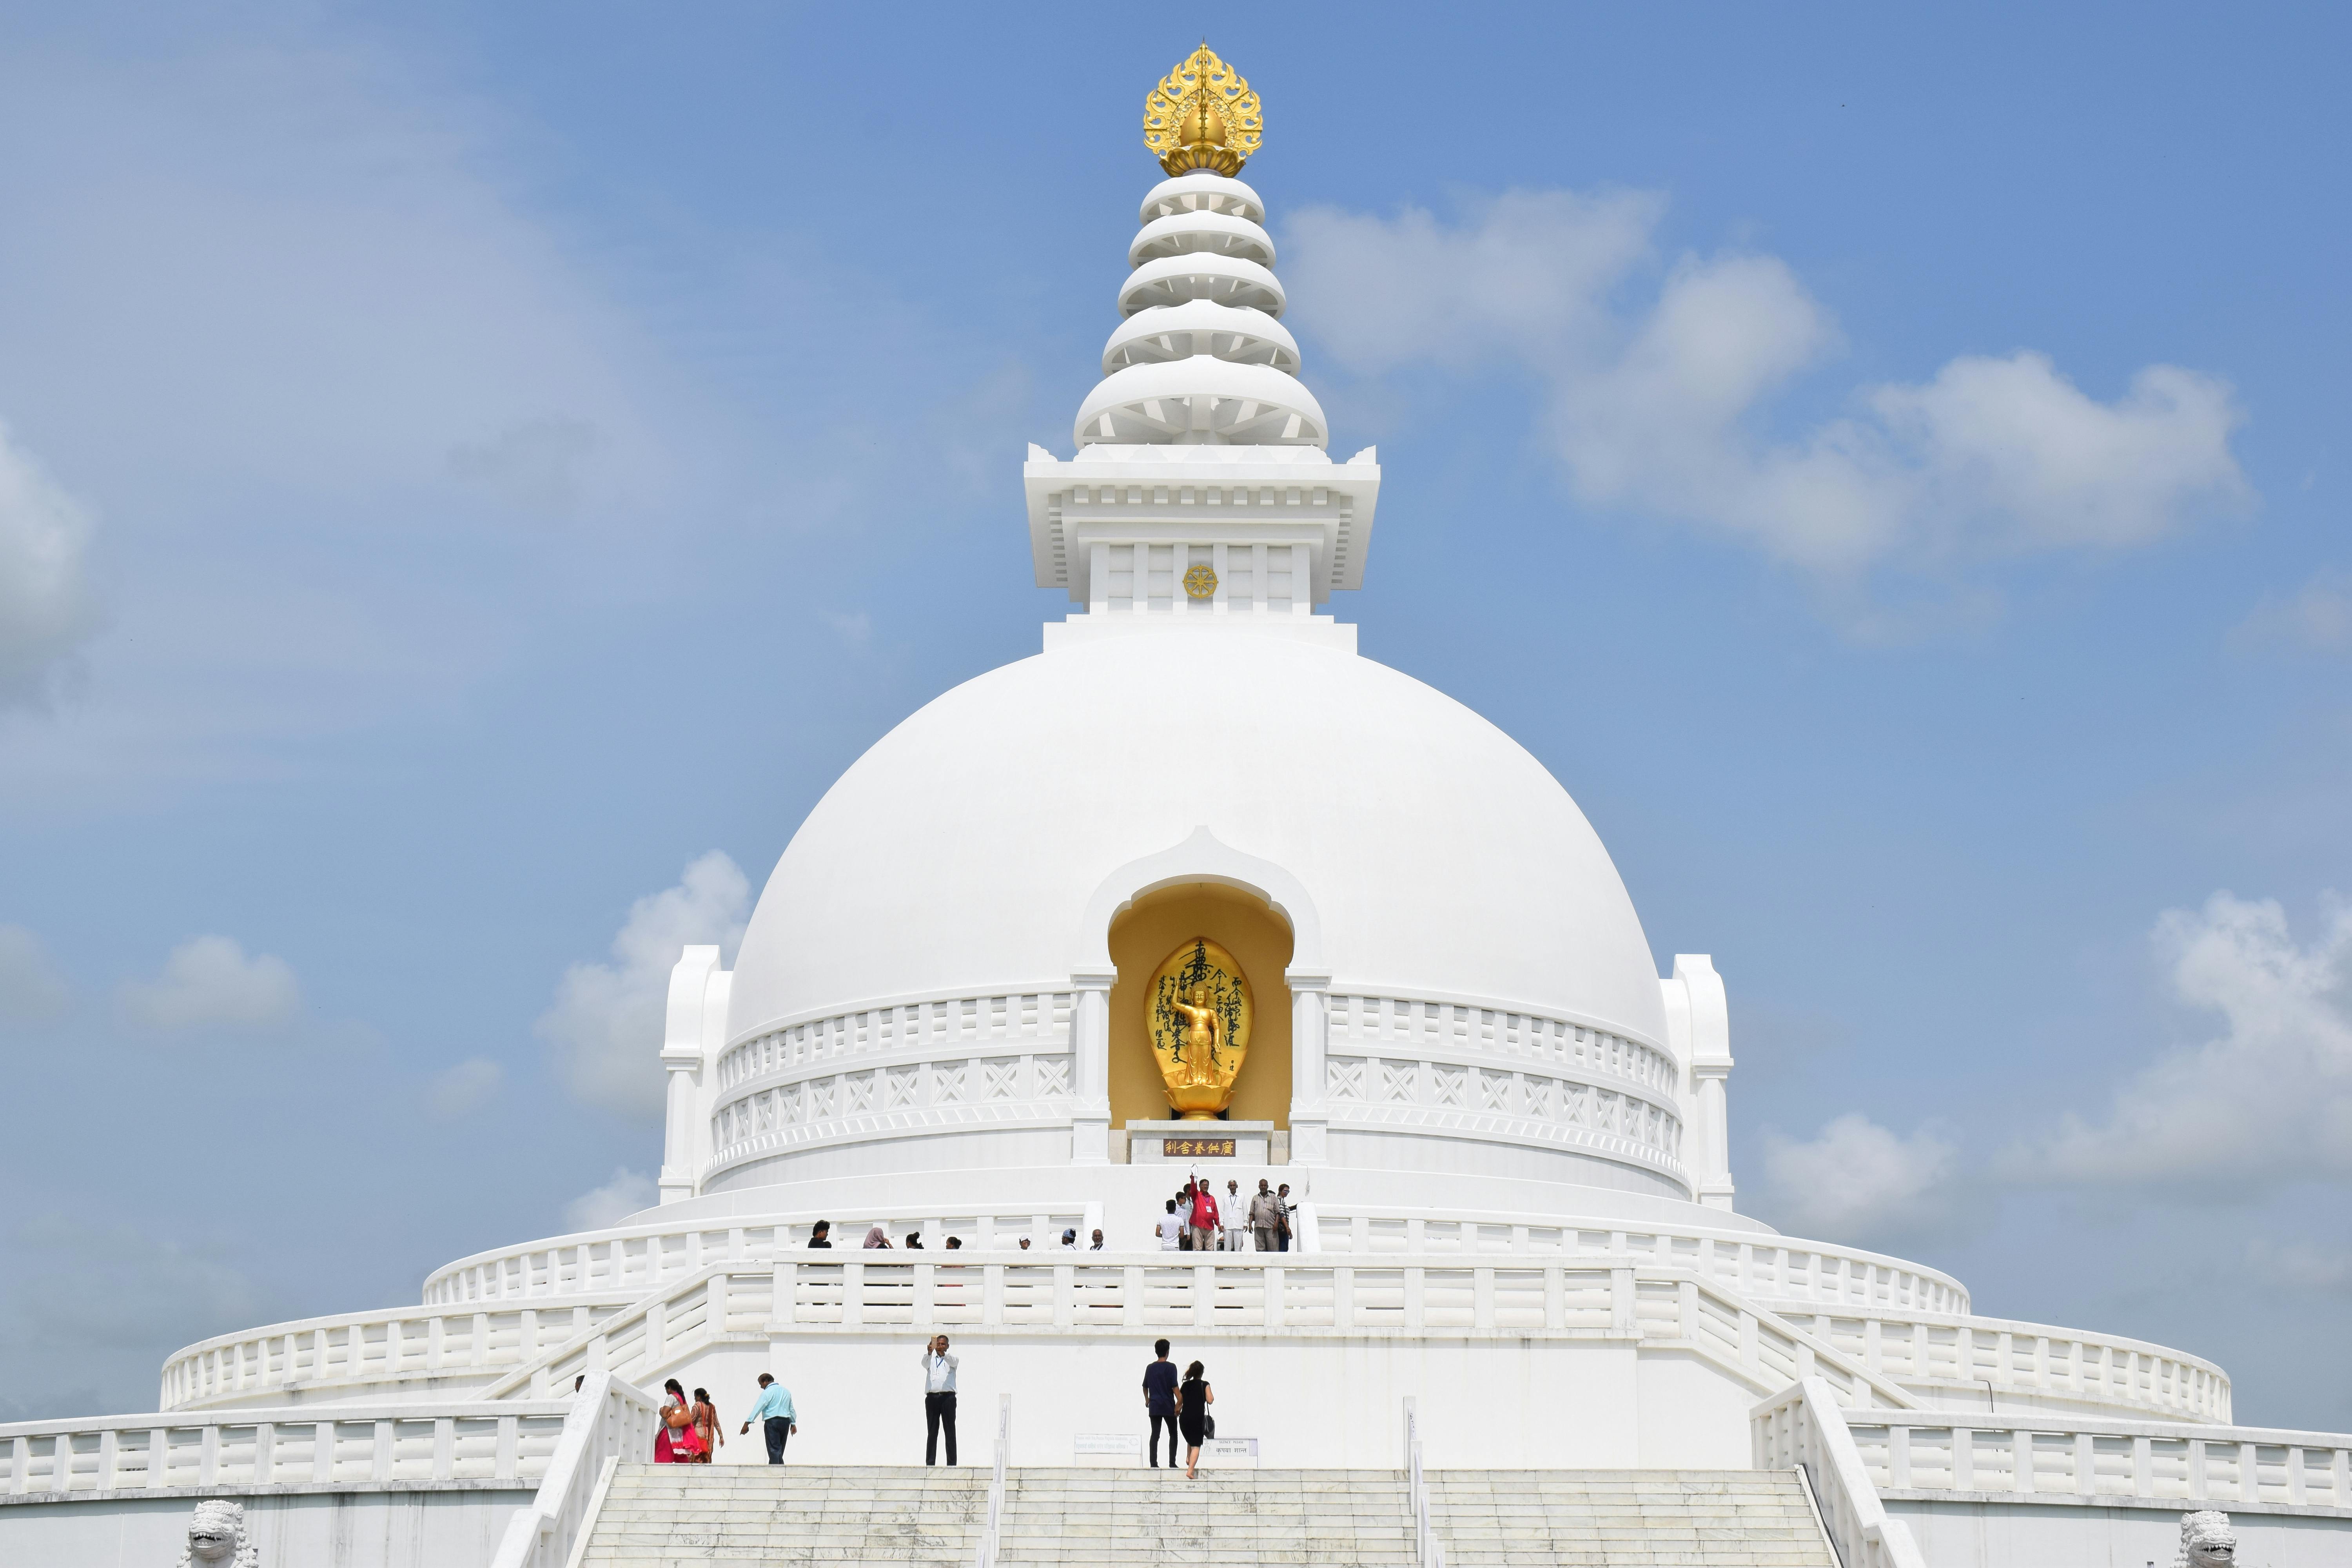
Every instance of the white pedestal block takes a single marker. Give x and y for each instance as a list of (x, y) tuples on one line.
[(1201, 1142)]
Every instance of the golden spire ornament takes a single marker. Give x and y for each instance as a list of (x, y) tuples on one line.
[(1203, 115)]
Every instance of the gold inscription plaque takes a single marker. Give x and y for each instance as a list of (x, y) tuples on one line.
[(1197, 1148), (1199, 1016)]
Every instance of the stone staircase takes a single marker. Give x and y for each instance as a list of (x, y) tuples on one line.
[(1626, 1519), (668, 1516), (671, 1516), (1157, 1519)]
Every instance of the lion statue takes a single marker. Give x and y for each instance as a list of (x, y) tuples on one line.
[(2206, 1540), (217, 1537)]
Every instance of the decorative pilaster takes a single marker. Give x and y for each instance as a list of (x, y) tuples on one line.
[(689, 1019), (678, 1125), (1310, 1028), (1714, 1189), (1090, 1067)]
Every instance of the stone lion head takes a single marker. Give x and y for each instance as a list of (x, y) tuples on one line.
[(216, 1537), (2206, 1540)]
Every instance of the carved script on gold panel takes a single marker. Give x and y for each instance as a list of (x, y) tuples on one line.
[(1199, 1014)]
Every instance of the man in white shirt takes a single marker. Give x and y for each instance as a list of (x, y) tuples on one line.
[(938, 1398), (1171, 1230), (1235, 1214)]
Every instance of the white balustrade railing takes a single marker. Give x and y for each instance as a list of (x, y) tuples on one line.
[(434, 1349), (812, 1292), (991, 1531), (1802, 1428), (1923, 1453), (1963, 1356), (1426, 1550), (633, 1259), (505, 1443), (1770, 1268), (611, 1421)]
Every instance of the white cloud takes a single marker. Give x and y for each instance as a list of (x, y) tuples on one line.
[(2301, 1266), (46, 604), (89, 1311), (1662, 405), (605, 1026), (31, 986), (611, 1204), (208, 981), (855, 627), (1857, 1182), (457, 1093), (117, 1286), (2316, 616), (2266, 1102)]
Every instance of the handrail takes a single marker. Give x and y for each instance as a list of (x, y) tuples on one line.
[(1426, 1550), (2052, 1455), (1960, 1353), (609, 1419), (1115, 1293), (630, 1259), (1929, 1356), (444, 1347), (376, 1443), (1801, 1428), (985, 1554), (637, 1257), (643, 1314)]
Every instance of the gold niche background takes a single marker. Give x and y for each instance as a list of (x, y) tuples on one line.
[(1258, 939)]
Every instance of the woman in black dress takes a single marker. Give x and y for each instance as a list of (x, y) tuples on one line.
[(1193, 1398)]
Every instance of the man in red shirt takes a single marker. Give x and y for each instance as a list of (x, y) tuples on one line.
[(1204, 1218)]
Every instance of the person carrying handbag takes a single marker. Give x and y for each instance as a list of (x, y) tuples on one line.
[(674, 1442)]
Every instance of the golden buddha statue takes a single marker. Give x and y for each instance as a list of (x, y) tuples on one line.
[(1199, 1016)]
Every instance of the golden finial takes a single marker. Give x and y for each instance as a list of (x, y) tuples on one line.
[(1203, 115)]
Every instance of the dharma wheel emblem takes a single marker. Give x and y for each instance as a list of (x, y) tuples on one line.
[(1201, 583)]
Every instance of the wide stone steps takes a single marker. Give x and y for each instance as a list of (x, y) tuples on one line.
[(669, 1516), (1626, 1519), (1069, 1517)]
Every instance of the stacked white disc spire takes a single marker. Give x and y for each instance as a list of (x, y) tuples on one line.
[(1202, 358)]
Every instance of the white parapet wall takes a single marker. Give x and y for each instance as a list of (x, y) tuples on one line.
[(2059, 1489), (458, 1485), (1660, 1366), (530, 1310), (353, 1487)]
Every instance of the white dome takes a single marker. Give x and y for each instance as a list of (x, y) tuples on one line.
[(960, 853)]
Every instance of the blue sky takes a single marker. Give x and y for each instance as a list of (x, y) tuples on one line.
[(465, 467)]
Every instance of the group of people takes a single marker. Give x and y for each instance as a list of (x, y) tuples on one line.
[(1197, 1222), (877, 1238), (821, 1235), (689, 1432), (1180, 1405)]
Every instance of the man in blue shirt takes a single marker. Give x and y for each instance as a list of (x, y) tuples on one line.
[(775, 1409), (1159, 1401)]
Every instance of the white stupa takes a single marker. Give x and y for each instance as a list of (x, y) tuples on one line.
[(1502, 1131)]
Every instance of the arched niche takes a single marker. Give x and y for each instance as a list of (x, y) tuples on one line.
[(1141, 936)]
